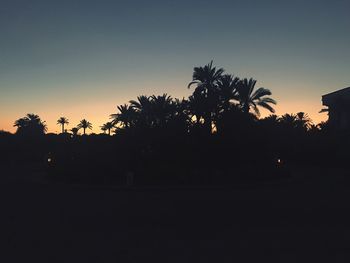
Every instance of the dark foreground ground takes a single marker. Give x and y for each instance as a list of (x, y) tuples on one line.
[(306, 220)]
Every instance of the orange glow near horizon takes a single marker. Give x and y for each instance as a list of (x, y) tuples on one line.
[(85, 101), (98, 113)]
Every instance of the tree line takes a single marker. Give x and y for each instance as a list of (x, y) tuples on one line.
[(217, 98), (216, 134)]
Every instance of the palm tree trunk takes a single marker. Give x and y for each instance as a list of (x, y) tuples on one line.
[(198, 118), (109, 132), (207, 122), (84, 131), (246, 108), (62, 128)]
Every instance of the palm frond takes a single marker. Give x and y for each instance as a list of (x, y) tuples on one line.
[(256, 110), (324, 110), (261, 92), (266, 106), (269, 100)]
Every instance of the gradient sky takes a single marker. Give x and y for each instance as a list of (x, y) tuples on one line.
[(80, 59)]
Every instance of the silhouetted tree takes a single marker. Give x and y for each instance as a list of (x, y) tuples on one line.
[(313, 128), (108, 126), (143, 109), (163, 109), (181, 116), (75, 131), (303, 121), (299, 121), (289, 120), (62, 121), (272, 119), (272, 126), (233, 122), (126, 116), (84, 124), (323, 126), (249, 98), (31, 124), (227, 86), (197, 108), (206, 79)]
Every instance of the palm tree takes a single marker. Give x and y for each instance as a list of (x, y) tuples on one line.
[(143, 109), (271, 121), (20, 123), (206, 80), (108, 126), (248, 98), (197, 107), (227, 88), (62, 121), (180, 117), (104, 129), (84, 124), (303, 121), (323, 126), (272, 118), (75, 131), (289, 120), (314, 128), (300, 121), (143, 103), (31, 124), (163, 108), (126, 117)]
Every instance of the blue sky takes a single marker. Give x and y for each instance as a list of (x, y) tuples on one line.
[(80, 59)]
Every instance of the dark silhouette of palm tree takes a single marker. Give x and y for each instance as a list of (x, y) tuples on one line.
[(126, 116), (314, 128), (62, 121), (300, 121), (152, 112), (180, 117), (84, 124), (142, 104), (271, 122), (108, 126), (233, 122), (289, 120), (271, 125), (303, 120), (143, 109), (31, 124), (249, 98), (163, 108), (197, 108), (227, 86), (206, 80), (323, 126), (75, 131), (20, 123), (104, 129), (272, 118)]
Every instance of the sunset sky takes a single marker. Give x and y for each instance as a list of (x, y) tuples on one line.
[(80, 59)]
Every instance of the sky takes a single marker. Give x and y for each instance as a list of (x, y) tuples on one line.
[(82, 58)]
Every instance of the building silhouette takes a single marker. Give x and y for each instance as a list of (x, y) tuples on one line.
[(338, 103)]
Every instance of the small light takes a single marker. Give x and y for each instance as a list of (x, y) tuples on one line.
[(279, 161), (49, 160)]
